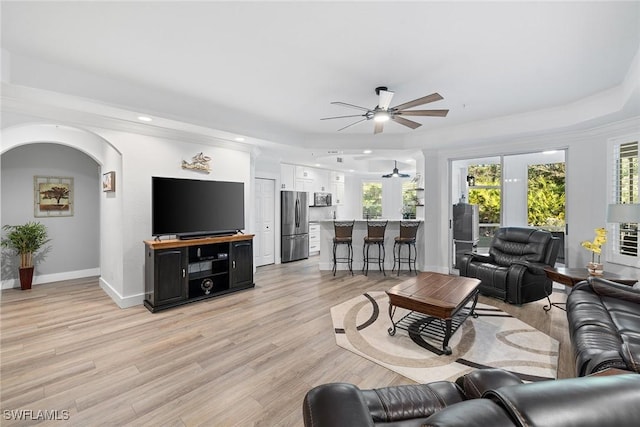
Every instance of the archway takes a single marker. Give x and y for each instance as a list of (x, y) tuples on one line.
[(111, 213)]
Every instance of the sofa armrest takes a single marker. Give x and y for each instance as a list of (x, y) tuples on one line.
[(608, 288), (474, 256), (586, 402), (336, 405), (475, 383), (533, 267)]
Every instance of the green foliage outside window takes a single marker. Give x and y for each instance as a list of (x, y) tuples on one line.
[(371, 200), (409, 200), (546, 196), (488, 199)]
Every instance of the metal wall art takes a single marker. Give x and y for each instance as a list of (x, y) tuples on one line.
[(199, 163)]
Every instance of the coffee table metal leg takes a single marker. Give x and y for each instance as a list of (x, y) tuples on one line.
[(392, 329), (473, 306), (447, 334)]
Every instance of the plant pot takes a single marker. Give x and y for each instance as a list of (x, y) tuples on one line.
[(26, 277), (595, 268)]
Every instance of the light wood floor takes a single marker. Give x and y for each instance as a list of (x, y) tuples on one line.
[(243, 359)]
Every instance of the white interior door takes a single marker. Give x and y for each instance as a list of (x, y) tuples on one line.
[(265, 221)]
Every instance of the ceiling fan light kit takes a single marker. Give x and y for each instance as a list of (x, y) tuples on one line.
[(382, 112)]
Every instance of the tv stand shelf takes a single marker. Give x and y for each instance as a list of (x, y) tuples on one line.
[(182, 271)]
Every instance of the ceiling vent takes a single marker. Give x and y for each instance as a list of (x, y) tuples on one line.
[(339, 159)]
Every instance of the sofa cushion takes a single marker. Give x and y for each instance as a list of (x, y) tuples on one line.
[(471, 413), (391, 404), (604, 326), (512, 244)]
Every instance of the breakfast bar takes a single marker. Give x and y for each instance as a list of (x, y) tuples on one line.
[(359, 232)]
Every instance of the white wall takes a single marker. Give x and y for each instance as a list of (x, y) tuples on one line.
[(125, 216), (25, 130), (585, 187), (143, 157), (74, 246)]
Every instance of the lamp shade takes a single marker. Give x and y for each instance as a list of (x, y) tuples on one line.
[(624, 213)]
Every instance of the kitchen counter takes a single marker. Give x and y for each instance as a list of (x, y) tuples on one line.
[(359, 232)]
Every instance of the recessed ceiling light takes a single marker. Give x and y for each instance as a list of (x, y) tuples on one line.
[(239, 139), (367, 151), (351, 170), (145, 119), (318, 164)]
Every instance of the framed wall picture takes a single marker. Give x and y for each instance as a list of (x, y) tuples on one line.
[(109, 182), (53, 196)]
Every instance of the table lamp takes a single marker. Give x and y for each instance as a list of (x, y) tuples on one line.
[(623, 213)]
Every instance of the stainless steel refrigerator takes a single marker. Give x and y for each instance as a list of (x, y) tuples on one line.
[(465, 229), (294, 227)]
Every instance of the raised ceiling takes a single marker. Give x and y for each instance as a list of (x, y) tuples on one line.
[(270, 70)]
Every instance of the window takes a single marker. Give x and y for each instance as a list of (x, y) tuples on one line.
[(371, 200), (485, 191), (624, 189), (410, 199), (546, 196)]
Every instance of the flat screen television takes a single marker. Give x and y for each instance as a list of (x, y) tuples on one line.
[(190, 208)]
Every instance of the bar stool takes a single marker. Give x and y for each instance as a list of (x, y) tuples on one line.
[(343, 236), (408, 232), (375, 236)]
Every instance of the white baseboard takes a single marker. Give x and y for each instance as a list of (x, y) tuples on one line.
[(123, 302), (55, 277)]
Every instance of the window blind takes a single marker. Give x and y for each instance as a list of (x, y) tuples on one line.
[(625, 190)]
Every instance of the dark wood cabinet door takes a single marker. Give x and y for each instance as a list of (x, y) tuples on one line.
[(170, 277), (242, 263)]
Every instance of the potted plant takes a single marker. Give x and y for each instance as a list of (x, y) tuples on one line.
[(595, 267), (25, 240)]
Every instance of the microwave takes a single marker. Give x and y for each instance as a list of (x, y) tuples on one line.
[(321, 199)]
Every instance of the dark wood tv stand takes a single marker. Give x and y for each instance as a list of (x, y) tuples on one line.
[(182, 271)]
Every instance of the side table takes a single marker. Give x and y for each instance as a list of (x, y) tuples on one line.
[(572, 276)]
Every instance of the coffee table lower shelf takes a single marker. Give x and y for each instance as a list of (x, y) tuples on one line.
[(435, 328)]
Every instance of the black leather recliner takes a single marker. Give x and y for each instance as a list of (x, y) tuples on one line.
[(485, 397), (514, 268)]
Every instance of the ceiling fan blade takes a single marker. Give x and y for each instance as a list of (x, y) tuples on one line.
[(378, 128), (342, 117), (384, 99), (420, 101), (344, 104), (408, 123), (433, 113), (354, 123)]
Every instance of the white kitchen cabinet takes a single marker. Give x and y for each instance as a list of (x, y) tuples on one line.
[(337, 177), (337, 188), (287, 177), (314, 238), (337, 191), (321, 183)]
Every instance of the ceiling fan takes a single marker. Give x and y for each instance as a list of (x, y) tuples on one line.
[(382, 112), (396, 173)]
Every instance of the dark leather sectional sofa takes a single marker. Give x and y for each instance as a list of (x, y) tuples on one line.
[(485, 397), (604, 325)]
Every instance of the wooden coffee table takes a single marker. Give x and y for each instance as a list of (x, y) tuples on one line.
[(434, 298)]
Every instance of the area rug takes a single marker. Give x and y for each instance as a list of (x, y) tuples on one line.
[(493, 339)]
